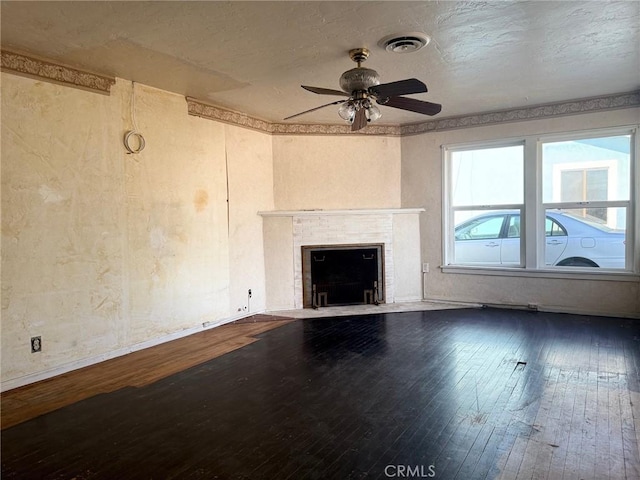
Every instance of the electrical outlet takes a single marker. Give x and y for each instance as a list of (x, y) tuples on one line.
[(36, 344), (249, 293), (425, 268)]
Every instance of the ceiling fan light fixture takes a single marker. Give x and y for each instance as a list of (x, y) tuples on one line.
[(373, 113), (347, 111), (404, 42)]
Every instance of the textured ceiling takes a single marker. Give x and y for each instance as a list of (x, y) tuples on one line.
[(253, 56)]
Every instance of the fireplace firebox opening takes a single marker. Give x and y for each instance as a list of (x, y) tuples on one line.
[(342, 275)]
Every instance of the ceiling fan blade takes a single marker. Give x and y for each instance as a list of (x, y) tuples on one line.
[(325, 91), (359, 121), (413, 105), (401, 87), (314, 109)]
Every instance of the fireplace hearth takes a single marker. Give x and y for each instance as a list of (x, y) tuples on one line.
[(342, 275)]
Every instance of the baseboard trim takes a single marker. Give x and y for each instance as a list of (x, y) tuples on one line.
[(411, 299), (86, 362), (538, 308)]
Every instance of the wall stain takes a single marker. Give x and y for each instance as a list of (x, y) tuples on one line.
[(201, 200)]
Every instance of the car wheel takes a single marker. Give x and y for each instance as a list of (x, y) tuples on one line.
[(577, 262)]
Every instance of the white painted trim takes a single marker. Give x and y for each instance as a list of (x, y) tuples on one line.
[(575, 273), (86, 362), (593, 313), (411, 299), (367, 211), (459, 303), (539, 308)]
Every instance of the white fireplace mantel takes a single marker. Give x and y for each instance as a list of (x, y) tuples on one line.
[(287, 231), (359, 211)]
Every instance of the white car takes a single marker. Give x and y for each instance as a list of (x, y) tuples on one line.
[(494, 239)]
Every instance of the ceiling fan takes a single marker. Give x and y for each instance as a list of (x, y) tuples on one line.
[(362, 85)]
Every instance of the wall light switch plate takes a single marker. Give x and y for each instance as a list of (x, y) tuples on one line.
[(425, 268)]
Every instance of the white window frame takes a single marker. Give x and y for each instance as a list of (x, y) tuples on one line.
[(448, 201), (533, 210)]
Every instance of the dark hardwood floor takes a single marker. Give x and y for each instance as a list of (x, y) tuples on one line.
[(451, 394), (133, 370)]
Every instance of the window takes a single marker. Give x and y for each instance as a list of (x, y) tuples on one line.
[(479, 210), (583, 219), (586, 184)]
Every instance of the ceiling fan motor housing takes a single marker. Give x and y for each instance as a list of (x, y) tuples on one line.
[(359, 79)]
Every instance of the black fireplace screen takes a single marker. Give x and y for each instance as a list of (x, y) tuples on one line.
[(346, 275)]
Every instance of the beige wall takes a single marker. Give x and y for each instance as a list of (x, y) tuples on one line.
[(63, 225), (336, 172), (251, 190), (104, 252), (422, 187), (176, 212)]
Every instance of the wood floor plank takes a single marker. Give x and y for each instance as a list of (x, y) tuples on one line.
[(630, 435), (589, 427)]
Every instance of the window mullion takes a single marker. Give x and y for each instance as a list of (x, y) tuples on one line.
[(533, 243), (593, 204)]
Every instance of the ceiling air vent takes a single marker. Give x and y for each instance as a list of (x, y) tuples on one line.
[(404, 42)]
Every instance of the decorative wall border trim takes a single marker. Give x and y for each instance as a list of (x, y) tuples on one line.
[(343, 129), (206, 110), (572, 107), (212, 112), (42, 69), (536, 112)]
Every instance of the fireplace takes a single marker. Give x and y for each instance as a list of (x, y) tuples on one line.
[(289, 234), (342, 275)]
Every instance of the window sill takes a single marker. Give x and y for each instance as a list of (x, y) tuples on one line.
[(573, 274)]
